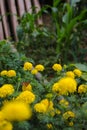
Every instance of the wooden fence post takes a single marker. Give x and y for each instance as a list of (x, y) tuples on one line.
[(28, 6), (4, 19), (21, 8), (37, 9), (1, 31), (16, 8), (13, 11)]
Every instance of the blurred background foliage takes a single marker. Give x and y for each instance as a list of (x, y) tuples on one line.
[(62, 38)]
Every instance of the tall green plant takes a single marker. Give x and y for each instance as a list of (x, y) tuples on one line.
[(67, 26), (61, 41)]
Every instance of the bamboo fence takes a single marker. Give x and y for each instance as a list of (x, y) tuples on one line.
[(10, 10)]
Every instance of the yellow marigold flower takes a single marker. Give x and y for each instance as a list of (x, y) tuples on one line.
[(66, 85), (16, 111), (55, 87), (57, 111), (26, 87), (34, 71), (77, 72), (57, 67), (71, 123), (6, 90), (63, 102), (68, 114), (26, 96), (48, 104), (39, 67), (82, 88), (11, 73), (49, 126), (4, 72), (28, 66), (44, 106), (5, 125), (45, 102), (1, 116), (70, 74), (40, 107)]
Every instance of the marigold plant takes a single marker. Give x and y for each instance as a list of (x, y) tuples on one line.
[(48, 102)]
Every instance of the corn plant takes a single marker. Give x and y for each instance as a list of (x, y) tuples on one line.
[(67, 26)]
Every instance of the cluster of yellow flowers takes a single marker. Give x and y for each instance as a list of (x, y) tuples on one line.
[(26, 96), (57, 67), (16, 109), (5, 125), (65, 85), (28, 66), (68, 114), (21, 111), (13, 111), (64, 103), (77, 72), (82, 88), (34, 70), (70, 74), (26, 86), (20, 104), (6, 90), (9, 73), (44, 106), (74, 73)]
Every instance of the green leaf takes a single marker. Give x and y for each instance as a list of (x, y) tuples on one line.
[(56, 2), (54, 9), (68, 15), (73, 2), (84, 76), (75, 21), (80, 66), (84, 110)]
